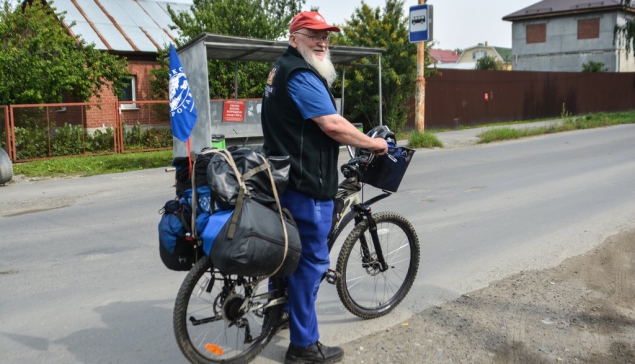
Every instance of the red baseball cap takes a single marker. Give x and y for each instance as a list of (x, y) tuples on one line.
[(310, 20)]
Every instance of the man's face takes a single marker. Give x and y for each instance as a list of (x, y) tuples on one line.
[(314, 40)]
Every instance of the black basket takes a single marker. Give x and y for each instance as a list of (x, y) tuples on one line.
[(386, 172)]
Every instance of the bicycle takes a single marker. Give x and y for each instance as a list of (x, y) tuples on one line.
[(222, 318)]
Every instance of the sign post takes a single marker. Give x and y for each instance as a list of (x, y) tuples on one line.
[(420, 32)]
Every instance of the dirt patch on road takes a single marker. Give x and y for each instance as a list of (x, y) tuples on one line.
[(582, 311)]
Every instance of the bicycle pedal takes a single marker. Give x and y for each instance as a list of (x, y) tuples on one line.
[(332, 276)]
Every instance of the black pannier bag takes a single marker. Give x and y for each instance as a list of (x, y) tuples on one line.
[(259, 239), (253, 243), (225, 186), (177, 248)]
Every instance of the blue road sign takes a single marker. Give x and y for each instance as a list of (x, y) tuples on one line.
[(420, 23)]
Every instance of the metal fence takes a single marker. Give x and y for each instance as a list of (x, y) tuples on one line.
[(472, 97), (454, 98), (41, 131)]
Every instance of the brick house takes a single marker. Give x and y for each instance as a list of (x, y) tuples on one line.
[(562, 35), (132, 29)]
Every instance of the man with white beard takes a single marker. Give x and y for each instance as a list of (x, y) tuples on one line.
[(300, 120)]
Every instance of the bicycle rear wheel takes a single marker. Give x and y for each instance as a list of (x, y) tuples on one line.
[(363, 289), (212, 321)]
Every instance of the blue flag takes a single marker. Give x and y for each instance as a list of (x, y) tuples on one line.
[(182, 109)]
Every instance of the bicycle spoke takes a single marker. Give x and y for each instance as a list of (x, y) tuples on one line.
[(364, 289), (224, 331)]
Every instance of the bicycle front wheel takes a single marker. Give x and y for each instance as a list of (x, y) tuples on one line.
[(219, 318), (363, 288)]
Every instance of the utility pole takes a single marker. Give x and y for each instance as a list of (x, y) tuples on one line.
[(420, 94)]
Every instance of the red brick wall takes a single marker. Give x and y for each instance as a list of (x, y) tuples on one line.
[(105, 117), (536, 33), (588, 28)]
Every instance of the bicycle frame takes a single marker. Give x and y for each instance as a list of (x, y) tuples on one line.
[(352, 207)]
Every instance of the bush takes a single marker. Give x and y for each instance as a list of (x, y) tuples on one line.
[(101, 141), (489, 63), (136, 138), (424, 140), (67, 140), (31, 139), (594, 67)]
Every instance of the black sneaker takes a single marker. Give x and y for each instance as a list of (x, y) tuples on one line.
[(316, 353)]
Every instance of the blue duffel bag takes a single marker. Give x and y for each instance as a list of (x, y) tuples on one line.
[(177, 248)]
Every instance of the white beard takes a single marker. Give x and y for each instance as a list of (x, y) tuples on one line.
[(324, 67)]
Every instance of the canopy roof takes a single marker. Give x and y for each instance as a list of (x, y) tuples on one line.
[(225, 47)]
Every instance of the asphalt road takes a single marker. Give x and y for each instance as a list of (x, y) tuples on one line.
[(81, 280)]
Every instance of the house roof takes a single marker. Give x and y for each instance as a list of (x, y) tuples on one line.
[(143, 27), (444, 56), (136, 26), (552, 8), (505, 53)]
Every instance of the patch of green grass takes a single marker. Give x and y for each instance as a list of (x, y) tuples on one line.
[(94, 165), (423, 140), (589, 121)]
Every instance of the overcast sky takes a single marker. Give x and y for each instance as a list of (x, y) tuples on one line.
[(457, 23)]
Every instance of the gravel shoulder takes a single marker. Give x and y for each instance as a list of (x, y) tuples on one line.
[(582, 311)]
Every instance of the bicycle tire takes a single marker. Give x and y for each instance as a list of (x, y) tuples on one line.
[(364, 290), (227, 337)]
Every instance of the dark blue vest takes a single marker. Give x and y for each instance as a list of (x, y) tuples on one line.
[(313, 154)]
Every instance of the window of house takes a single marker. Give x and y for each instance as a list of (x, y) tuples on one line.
[(536, 33), (589, 28), (129, 93), (479, 54)]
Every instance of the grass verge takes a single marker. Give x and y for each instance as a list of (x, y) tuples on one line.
[(569, 123), (94, 165)]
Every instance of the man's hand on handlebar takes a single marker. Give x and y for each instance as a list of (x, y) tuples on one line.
[(380, 147)]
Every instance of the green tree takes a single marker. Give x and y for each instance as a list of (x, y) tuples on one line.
[(593, 67), (263, 19), (489, 63), (625, 34), (40, 60), (380, 28)]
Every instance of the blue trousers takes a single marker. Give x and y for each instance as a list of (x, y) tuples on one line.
[(314, 219)]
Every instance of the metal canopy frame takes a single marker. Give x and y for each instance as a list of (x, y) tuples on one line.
[(206, 46), (225, 47)]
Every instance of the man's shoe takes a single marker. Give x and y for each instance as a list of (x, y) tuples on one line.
[(316, 353)]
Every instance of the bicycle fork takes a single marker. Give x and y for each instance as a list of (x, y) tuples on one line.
[(367, 259), (373, 263)]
